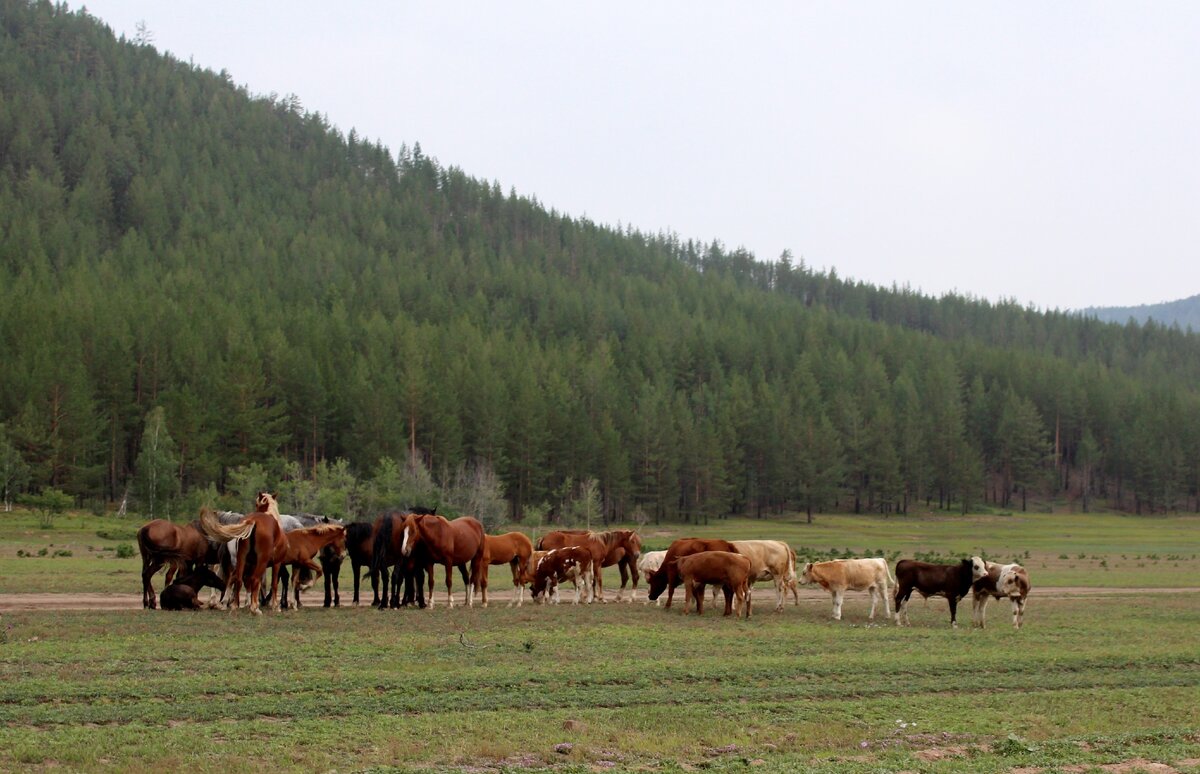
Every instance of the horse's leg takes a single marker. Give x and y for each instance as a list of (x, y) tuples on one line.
[(518, 587), (149, 567), (429, 576), (598, 580), (469, 582), (624, 579), (449, 585)]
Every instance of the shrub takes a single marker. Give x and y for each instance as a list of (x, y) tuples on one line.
[(125, 551)]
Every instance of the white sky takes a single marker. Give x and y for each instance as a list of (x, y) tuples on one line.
[(1043, 152)]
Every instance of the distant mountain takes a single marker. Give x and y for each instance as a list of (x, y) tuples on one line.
[(1185, 313)]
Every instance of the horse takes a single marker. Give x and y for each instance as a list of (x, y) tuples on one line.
[(262, 544), (511, 548), (304, 544), (619, 546), (360, 538), (183, 593), (455, 543), (180, 547), (387, 551)]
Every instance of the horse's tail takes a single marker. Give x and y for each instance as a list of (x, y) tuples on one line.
[(143, 541), (218, 531), (382, 545)]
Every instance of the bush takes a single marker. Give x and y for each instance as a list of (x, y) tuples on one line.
[(125, 551)]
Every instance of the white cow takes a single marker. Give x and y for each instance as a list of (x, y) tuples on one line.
[(771, 560), (841, 575), (648, 562)]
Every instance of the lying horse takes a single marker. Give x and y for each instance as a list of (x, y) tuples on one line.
[(183, 593)]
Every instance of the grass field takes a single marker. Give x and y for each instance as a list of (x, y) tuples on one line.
[(1090, 682)]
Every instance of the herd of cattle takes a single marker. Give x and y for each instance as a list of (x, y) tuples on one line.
[(227, 550)]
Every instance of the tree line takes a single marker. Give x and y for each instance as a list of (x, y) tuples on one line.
[(195, 281)]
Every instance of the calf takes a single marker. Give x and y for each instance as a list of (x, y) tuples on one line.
[(649, 562), (667, 577), (183, 593), (951, 581), (573, 563), (731, 571), (842, 575), (1001, 581), (771, 560)]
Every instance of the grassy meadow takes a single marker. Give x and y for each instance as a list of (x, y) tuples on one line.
[(1089, 682)]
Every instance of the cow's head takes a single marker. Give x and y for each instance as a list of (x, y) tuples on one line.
[(806, 573), (978, 567), (657, 581)]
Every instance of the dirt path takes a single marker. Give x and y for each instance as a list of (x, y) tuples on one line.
[(12, 602)]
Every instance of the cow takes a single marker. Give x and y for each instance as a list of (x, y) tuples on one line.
[(771, 560), (649, 562), (667, 577), (951, 581), (549, 568), (1001, 581), (731, 571), (841, 575)]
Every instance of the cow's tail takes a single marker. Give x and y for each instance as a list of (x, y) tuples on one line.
[(887, 568)]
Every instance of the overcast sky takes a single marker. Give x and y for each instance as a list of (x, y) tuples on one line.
[(1042, 152)]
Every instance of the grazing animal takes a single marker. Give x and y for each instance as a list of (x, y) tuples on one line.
[(178, 547), (649, 562), (1002, 581), (841, 575), (552, 567), (304, 544), (771, 560), (731, 571), (183, 594), (951, 581), (511, 548), (667, 577), (262, 544), (618, 546), (457, 543)]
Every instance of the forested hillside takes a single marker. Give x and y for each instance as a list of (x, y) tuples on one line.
[(194, 279), (1185, 313)]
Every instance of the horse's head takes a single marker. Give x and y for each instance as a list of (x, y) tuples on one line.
[(633, 544), (410, 533), (339, 538), (267, 503)]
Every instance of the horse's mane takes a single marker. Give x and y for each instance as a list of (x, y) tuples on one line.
[(319, 530)]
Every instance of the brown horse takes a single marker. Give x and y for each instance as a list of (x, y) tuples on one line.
[(618, 546), (180, 547), (304, 544), (511, 548), (457, 543), (262, 543)]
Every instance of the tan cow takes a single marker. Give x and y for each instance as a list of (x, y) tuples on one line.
[(771, 560), (841, 575), (1002, 581), (728, 570)]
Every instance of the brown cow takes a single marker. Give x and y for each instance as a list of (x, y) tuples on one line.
[(732, 572), (951, 581), (549, 568), (667, 577), (618, 546), (1002, 581)]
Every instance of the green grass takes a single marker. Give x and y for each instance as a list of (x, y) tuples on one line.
[(320, 689), (1089, 681)]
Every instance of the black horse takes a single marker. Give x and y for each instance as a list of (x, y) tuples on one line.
[(412, 570), (183, 594)]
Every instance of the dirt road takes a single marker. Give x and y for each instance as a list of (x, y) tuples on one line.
[(13, 602)]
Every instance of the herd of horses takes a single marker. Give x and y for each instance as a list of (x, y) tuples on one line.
[(227, 551)]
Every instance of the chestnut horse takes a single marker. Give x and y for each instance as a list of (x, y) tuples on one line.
[(618, 546), (304, 544), (511, 548), (386, 552), (181, 548), (455, 543), (262, 543)]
